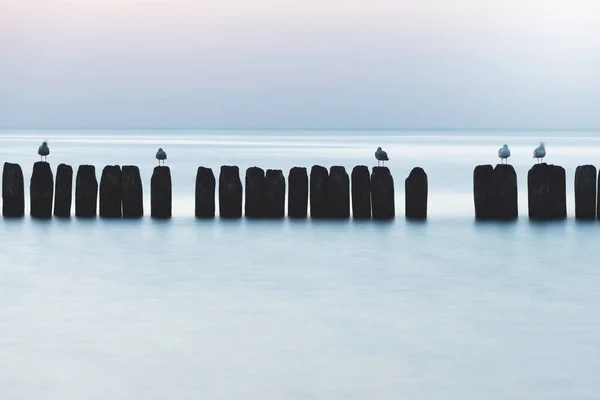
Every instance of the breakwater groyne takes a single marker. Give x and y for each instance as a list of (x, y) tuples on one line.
[(318, 193)]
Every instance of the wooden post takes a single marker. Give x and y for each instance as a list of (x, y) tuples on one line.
[(274, 197), (505, 201), (361, 192), (111, 195), (547, 192), (382, 193), (230, 192), (495, 192), (415, 188), (255, 188), (132, 191), (298, 193), (319, 205), (41, 190), (338, 191), (161, 197), (585, 192), (205, 193), (86, 192), (483, 191), (13, 191), (63, 196)]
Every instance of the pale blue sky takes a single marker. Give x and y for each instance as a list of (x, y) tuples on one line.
[(300, 63)]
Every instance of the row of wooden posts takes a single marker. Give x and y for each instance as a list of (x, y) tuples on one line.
[(327, 191), (495, 192), (121, 194)]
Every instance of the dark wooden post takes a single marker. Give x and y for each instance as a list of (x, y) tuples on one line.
[(111, 192), (298, 193), (585, 192), (132, 191), (495, 192), (86, 191), (338, 190), (415, 188), (41, 190), (382, 193), (205, 193), (161, 197), (13, 191), (483, 191), (547, 192), (63, 196), (255, 188), (505, 200), (274, 197), (230, 192), (361, 192), (319, 205)]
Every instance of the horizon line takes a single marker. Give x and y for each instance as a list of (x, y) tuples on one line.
[(314, 129)]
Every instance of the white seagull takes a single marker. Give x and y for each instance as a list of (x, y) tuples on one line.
[(504, 153), (540, 152), (43, 151), (381, 155), (161, 156)]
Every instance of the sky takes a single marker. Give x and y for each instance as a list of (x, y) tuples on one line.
[(359, 64)]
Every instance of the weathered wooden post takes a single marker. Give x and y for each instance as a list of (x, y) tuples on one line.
[(132, 192), (255, 188), (161, 197), (274, 197), (63, 195), (483, 191), (338, 192), (111, 196), (205, 193), (361, 192), (495, 192), (41, 190), (13, 191), (86, 191), (585, 192), (547, 192), (230, 192), (415, 188), (298, 193), (319, 205), (382, 193), (505, 193)]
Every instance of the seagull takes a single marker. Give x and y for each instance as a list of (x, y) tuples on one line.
[(504, 153), (540, 152), (161, 156), (43, 151), (381, 155)]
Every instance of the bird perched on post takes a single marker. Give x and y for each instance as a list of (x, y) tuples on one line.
[(161, 156), (43, 151), (381, 155), (504, 153), (540, 152)]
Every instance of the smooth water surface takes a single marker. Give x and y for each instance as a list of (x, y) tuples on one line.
[(187, 309)]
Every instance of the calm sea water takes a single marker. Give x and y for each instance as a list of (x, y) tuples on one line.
[(186, 309)]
